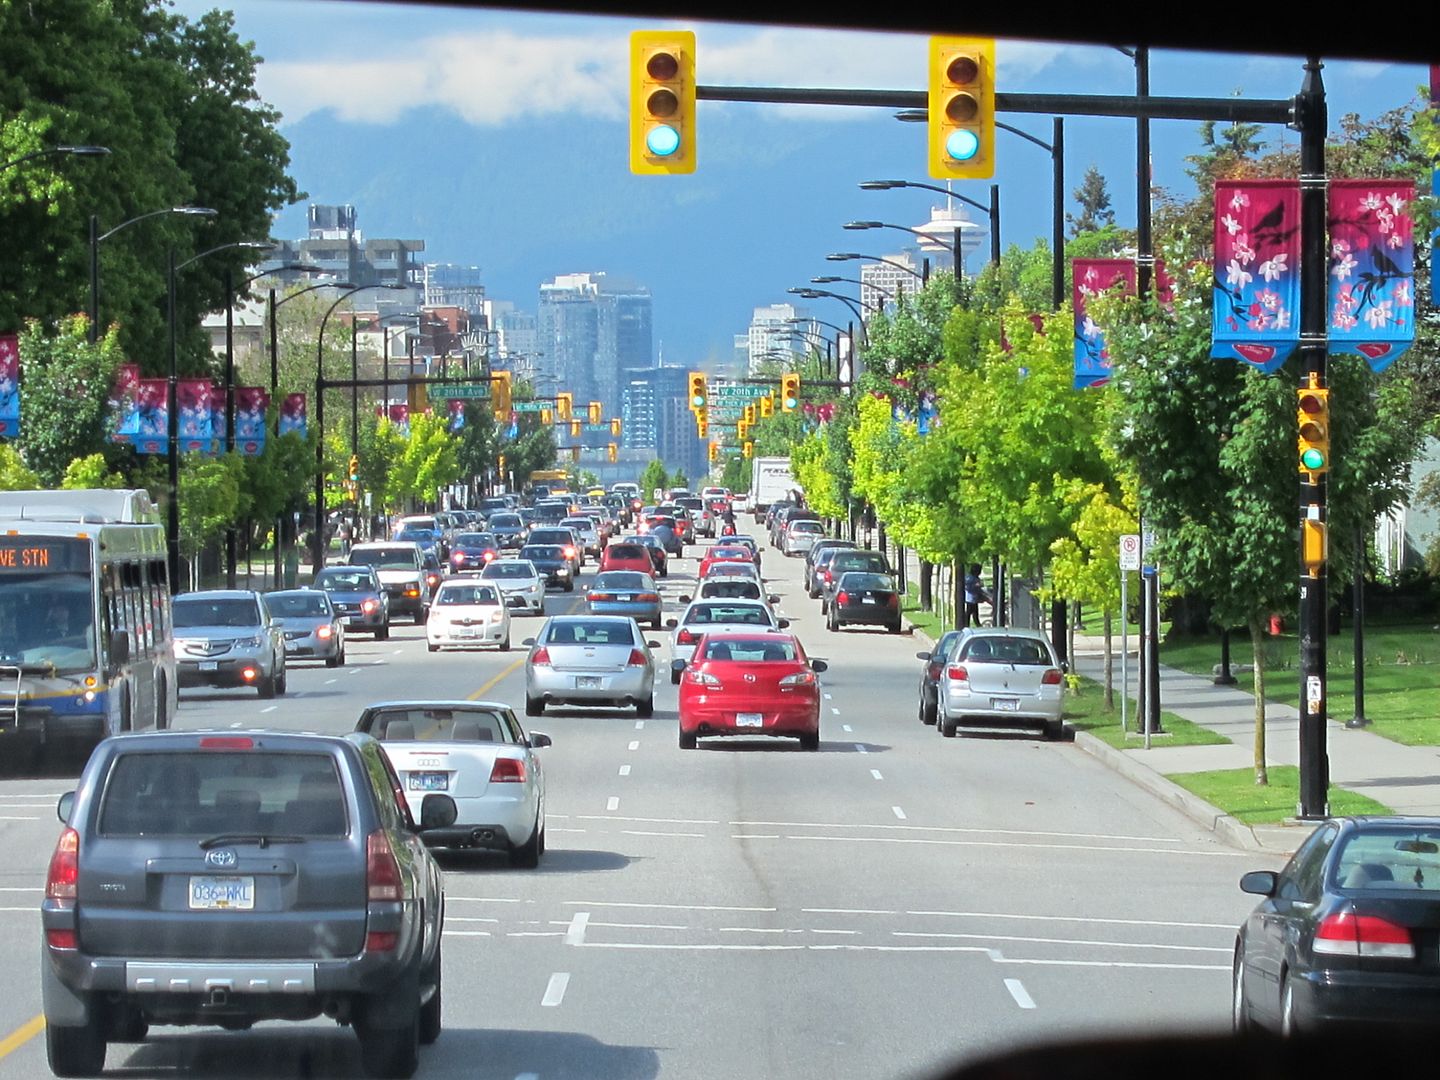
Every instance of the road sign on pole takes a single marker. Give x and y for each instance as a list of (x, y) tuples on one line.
[(1130, 551), (461, 390)]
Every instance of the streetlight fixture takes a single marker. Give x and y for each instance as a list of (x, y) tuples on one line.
[(96, 237), (831, 279), (848, 256), (73, 151)]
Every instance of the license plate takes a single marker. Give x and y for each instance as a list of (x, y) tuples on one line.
[(1005, 704), (623, 598), (469, 631), (587, 682), (868, 600), (429, 781), (222, 893), (209, 665), (749, 719)]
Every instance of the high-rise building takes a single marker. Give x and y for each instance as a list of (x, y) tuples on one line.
[(657, 418), (336, 246), (591, 328), (771, 337), (883, 283), (449, 285)]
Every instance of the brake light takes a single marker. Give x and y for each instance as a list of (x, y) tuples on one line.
[(541, 657), (685, 637), (62, 939), (64, 872), (458, 558), (489, 555), (601, 596), (700, 678), (828, 578), (1052, 677), (800, 678), (381, 940), (1349, 934), (957, 673), (248, 674), (842, 598), (324, 633), (412, 591), (382, 871), (637, 659), (227, 742), (368, 606), (648, 598), (893, 600), (507, 771)]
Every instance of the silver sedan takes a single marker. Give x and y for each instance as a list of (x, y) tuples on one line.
[(1002, 677), (590, 660), (314, 630)]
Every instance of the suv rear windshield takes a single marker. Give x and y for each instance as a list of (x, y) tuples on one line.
[(345, 580), (210, 793), (506, 521), (386, 558), (552, 536), (231, 612)]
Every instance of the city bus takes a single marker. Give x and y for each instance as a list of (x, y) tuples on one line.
[(86, 645)]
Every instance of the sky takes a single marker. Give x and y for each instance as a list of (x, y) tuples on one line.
[(499, 137)]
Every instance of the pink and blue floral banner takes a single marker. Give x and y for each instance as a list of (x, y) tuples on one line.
[(1092, 277), (293, 416), (152, 417), (1372, 269), (124, 404), (1257, 271), (198, 423), (251, 405), (457, 414), (9, 386)]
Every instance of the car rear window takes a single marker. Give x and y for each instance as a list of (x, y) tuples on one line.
[(206, 793), (882, 582), (621, 579), (466, 594), (847, 560), (543, 552), (505, 521), (513, 569), (439, 724), (297, 604), (748, 651), (475, 540), (386, 558), (199, 612), (1390, 861), (1005, 650), (628, 551), (341, 581), (579, 632), (743, 614), (732, 589)]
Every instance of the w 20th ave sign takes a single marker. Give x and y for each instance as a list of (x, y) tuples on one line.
[(463, 391), (742, 391)]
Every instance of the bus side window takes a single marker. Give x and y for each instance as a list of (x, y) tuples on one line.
[(115, 599), (134, 598), (158, 575)]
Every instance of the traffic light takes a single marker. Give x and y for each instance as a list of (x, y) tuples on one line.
[(500, 394), (547, 417), (750, 414), (742, 428), (702, 424), (662, 102), (564, 405), (1314, 418), (714, 451), (575, 428), (962, 108), (354, 468), (596, 412), (1314, 547), (767, 406), (612, 452), (697, 391), (615, 427), (749, 449), (789, 391)]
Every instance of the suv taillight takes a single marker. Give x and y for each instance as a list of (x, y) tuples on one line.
[(64, 873), (382, 871), (685, 637), (507, 771), (842, 598)]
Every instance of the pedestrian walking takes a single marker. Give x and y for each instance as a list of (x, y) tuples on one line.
[(975, 595)]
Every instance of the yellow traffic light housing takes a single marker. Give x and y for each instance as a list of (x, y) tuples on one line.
[(500, 394), (596, 412), (767, 406), (354, 468), (698, 395), (702, 424), (714, 451), (662, 102), (749, 449), (547, 417), (789, 391), (564, 405), (612, 452), (750, 414), (1314, 547), (961, 128), (615, 427), (1313, 414), (575, 426)]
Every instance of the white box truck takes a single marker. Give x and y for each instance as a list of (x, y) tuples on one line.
[(770, 481)]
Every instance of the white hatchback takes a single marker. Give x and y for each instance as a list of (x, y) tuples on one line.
[(467, 613)]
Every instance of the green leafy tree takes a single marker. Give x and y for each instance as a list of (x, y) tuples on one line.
[(211, 499), (653, 476), (1094, 198), (429, 460), (67, 383), (15, 475), (735, 475), (91, 472)]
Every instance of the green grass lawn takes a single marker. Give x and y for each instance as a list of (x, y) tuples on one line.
[(1402, 675), (1085, 711), (1235, 792), (926, 621)]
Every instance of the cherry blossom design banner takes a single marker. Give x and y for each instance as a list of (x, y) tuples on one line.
[(1372, 269), (152, 406), (457, 414), (9, 386), (124, 403), (1091, 278), (251, 405), (293, 416), (1257, 271), (196, 398)]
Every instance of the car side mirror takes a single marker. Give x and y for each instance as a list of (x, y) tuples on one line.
[(677, 666), (438, 811), (539, 739), (671, 624), (922, 656), (819, 665), (119, 648), (773, 598), (64, 806), (1260, 882), (277, 622), (528, 641), (652, 644), (686, 599), (782, 623)]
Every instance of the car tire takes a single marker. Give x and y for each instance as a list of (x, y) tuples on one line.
[(127, 1025), (282, 682), (1289, 1022), (570, 586), (431, 1018), (947, 727), (76, 1051), (266, 687), (382, 633), (432, 648), (810, 742), (337, 660), (422, 617), (393, 1053), (1055, 730), (927, 711), (896, 627), (534, 706), (687, 740), (505, 643), (832, 624), (674, 678), (645, 709), (657, 623), (527, 855), (1239, 1007)]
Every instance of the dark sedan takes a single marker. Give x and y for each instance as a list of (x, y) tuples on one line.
[(552, 564), (865, 599), (358, 596), (473, 551), (509, 529), (1347, 934), (931, 672)]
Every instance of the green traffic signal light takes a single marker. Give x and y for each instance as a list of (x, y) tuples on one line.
[(1313, 460)]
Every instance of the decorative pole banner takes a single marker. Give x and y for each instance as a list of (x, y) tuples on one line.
[(9, 386), (251, 405), (293, 416), (152, 406), (195, 398), (1093, 277), (399, 415), (124, 404), (1257, 271), (1372, 269), (457, 414)]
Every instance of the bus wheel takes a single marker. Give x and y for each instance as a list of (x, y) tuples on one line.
[(161, 698), (127, 721)]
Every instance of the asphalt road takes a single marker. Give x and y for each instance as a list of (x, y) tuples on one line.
[(884, 908)]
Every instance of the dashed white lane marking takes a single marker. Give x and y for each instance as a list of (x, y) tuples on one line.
[(18, 888), (898, 812), (467, 933), (269, 708), (861, 748), (835, 712), (1062, 941), (1072, 918), (640, 832), (952, 829), (1012, 844), (827, 697), (329, 681), (624, 770), (844, 911), (635, 744), (660, 907), (846, 727), (575, 932), (377, 661), (486, 899), (354, 671), (468, 918), (651, 820), (235, 724), (639, 725), (612, 803), (1017, 991), (617, 925), (397, 652), (555, 991), (754, 836), (876, 774), (755, 930)]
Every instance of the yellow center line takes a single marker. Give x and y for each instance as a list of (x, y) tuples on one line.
[(21, 1035), (515, 665)]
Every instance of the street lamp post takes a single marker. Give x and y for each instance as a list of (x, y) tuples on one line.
[(831, 279), (73, 151), (97, 237)]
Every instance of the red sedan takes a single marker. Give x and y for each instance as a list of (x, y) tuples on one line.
[(750, 684), (627, 556), (721, 553)]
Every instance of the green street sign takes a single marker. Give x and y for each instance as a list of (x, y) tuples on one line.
[(531, 406), (742, 391), (465, 391)]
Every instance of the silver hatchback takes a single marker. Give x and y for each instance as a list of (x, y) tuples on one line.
[(590, 660), (1002, 677), (313, 629)]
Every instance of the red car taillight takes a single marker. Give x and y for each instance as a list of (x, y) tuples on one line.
[(1349, 934), (382, 870), (324, 633), (637, 659), (1051, 677), (458, 558), (701, 678), (842, 598), (893, 600), (685, 637), (957, 673), (648, 598), (800, 678), (602, 596), (827, 575), (64, 872), (489, 556), (507, 771), (541, 657)]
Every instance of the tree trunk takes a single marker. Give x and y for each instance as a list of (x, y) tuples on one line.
[(927, 580), (1257, 647), (1109, 666), (1070, 635)]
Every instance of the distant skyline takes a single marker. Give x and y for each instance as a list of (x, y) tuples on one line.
[(499, 138)]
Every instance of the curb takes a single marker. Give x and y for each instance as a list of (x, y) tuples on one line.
[(1228, 829)]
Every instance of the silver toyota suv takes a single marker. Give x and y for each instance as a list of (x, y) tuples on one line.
[(229, 877), (227, 638)]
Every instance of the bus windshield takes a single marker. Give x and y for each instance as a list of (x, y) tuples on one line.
[(47, 621)]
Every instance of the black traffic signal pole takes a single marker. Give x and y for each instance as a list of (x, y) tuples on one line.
[(1306, 112)]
